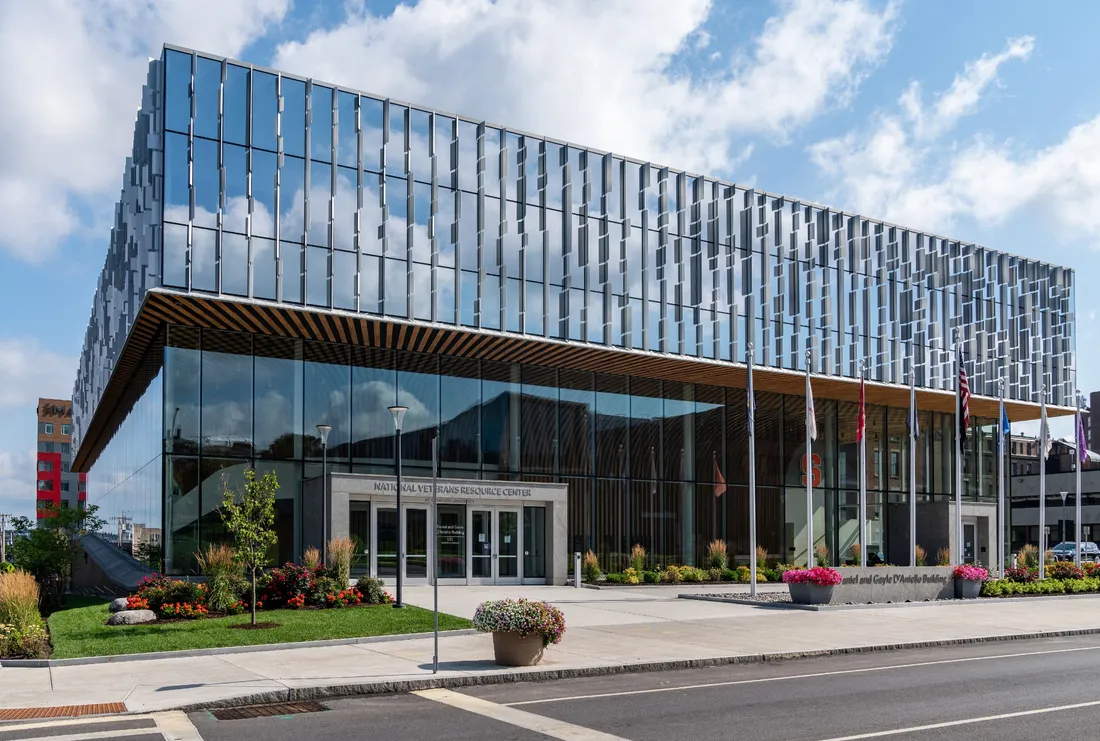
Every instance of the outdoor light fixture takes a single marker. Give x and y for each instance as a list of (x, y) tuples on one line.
[(324, 430), (398, 413)]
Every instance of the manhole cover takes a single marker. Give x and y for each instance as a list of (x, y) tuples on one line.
[(263, 711)]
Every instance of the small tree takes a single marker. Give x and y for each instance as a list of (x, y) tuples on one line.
[(48, 548), (249, 516)]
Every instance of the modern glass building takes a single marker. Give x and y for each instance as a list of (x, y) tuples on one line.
[(288, 253)]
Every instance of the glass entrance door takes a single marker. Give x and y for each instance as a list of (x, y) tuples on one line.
[(416, 544), (495, 545), (385, 547)]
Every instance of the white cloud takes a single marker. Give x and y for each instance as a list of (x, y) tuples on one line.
[(903, 168), (17, 475), (70, 77), (603, 73), (28, 371)]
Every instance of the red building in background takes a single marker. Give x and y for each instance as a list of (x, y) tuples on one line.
[(58, 486)]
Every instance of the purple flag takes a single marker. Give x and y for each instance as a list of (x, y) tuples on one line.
[(1082, 446)]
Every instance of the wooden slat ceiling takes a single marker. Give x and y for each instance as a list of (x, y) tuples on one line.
[(162, 307)]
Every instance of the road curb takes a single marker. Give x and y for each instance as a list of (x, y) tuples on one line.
[(297, 694), (193, 652), (736, 600)]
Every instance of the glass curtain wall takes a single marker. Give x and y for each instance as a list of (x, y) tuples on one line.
[(642, 458)]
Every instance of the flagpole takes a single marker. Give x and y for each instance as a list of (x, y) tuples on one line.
[(912, 462), (862, 474), (1001, 450), (752, 475), (809, 468), (957, 551), (1042, 478), (1080, 461)]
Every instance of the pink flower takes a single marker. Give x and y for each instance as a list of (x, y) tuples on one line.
[(971, 573), (822, 576)]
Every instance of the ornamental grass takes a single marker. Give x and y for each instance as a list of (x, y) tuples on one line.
[(19, 595)]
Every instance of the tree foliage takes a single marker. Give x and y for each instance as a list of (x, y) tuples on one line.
[(249, 516), (48, 548)]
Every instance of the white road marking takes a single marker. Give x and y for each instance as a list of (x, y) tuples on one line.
[(519, 718), (967, 721), (174, 726), (790, 677)]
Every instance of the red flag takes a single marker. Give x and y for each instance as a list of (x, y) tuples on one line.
[(720, 481), (861, 423), (964, 403)]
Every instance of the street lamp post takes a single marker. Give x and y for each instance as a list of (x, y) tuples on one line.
[(324, 430), (398, 413), (1062, 524)]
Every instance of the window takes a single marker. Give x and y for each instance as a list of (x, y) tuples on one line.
[(64, 504), (66, 429), (64, 486), (48, 428), (1029, 468), (45, 486), (81, 486), (895, 464), (46, 466)]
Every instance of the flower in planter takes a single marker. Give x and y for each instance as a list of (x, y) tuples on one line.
[(971, 573), (821, 576), (523, 617)]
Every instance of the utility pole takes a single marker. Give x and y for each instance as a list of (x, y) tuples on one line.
[(4, 536)]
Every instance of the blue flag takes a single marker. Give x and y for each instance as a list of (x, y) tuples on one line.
[(1006, 428)]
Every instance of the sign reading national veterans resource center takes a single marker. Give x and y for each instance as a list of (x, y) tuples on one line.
[(455, 490)]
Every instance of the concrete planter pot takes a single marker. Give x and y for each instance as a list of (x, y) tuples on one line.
[(512, 649), (967, 588), (810, 594)]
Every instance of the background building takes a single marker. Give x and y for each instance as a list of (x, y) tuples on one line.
[(287, 253), (57, 484)]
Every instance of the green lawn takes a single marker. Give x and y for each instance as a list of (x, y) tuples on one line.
[(80, 629)]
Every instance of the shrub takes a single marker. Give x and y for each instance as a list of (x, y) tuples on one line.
[(289, 581), (632, 576), (821, 555), (6, 567), (761, 577), (761, 556), (19, 595), (729, 574), (340, 553), (714, 574), (134, 602), (692, 574), (323, 586), (343, 598), (856, 550), (224, 576), (672, 574), (822, 576), (943, 557), (311, 558), (716, 554), (967, 572), (521, 616), (922, 556), (1090, 568), (590, 568), (651, 577), (771, 574), (1022, 575), (372, 591), (26, 643), (743, 574), (637, 557), (614, 577), (1028, 557), (1064, 570)]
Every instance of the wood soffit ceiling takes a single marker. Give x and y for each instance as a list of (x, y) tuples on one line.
[(162, 307)]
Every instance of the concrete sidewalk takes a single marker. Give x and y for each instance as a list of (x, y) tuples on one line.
[(608, 630)]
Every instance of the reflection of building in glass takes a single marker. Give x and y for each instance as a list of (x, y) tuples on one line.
[(288, 254), (57, 484)]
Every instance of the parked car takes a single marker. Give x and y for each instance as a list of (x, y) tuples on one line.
[(1065, 552)]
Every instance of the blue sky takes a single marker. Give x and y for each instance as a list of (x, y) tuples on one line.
[(970, 119)]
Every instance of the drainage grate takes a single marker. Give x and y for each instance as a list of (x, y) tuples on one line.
[(264, 711), (62, 711)]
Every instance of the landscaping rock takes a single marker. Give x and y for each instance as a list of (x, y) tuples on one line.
[(132, 617), (117, 605)]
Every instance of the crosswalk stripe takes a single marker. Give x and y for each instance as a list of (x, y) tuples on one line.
[(552, 727), (173, 725)]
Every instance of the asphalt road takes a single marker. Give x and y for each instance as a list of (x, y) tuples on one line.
[(1003, 691)]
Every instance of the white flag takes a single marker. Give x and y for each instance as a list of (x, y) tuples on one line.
[(1045, 441), (811, 415)]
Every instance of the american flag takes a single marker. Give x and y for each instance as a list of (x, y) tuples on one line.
[(964, 401), (861, 422)]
